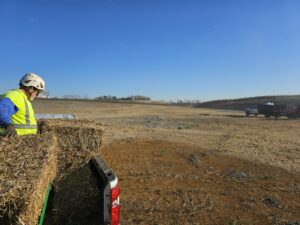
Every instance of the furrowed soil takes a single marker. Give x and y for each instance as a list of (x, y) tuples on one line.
[(182, 165)]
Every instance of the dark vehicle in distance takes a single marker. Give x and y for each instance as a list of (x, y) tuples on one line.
[(278, 110)]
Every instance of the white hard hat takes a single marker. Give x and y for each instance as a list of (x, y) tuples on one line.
[(33, 80)]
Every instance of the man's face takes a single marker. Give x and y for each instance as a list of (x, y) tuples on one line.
[(33, 93)]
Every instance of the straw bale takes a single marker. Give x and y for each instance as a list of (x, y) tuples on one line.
[(59, 153), (76, 195), (77, 141), (28, 165)]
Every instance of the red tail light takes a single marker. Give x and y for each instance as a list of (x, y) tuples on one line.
[(115, 205)]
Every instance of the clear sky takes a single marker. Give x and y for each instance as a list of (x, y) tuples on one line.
[(167, 50)]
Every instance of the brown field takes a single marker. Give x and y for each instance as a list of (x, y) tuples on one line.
[(181, 165)]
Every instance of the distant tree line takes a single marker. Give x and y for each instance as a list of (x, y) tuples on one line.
[(129, 98), (107, 98), (188, 102), (102, 97)]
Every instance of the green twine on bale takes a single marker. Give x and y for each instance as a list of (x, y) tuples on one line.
[(42, 217)]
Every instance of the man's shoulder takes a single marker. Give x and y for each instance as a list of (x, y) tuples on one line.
[(12, 93), (15, 96)]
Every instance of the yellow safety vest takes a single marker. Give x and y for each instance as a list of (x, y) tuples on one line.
[(23, 120)]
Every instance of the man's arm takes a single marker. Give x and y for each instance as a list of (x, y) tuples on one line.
[(7, 109)]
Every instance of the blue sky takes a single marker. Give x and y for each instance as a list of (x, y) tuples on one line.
[(167, 50)]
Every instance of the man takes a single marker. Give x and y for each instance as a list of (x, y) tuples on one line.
[(16, 112)]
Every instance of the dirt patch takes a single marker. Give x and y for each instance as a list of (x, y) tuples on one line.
[(273, 142), (171, 183)]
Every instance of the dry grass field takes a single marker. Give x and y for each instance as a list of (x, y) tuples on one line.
[(181, 165)]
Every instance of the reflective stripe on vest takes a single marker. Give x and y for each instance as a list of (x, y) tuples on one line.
[(27, 112), (21, 126)]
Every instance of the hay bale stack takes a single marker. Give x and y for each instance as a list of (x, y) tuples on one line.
[(28, 165), (76, 195)]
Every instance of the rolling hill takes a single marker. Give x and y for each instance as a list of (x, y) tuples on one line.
[(242, 103)]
